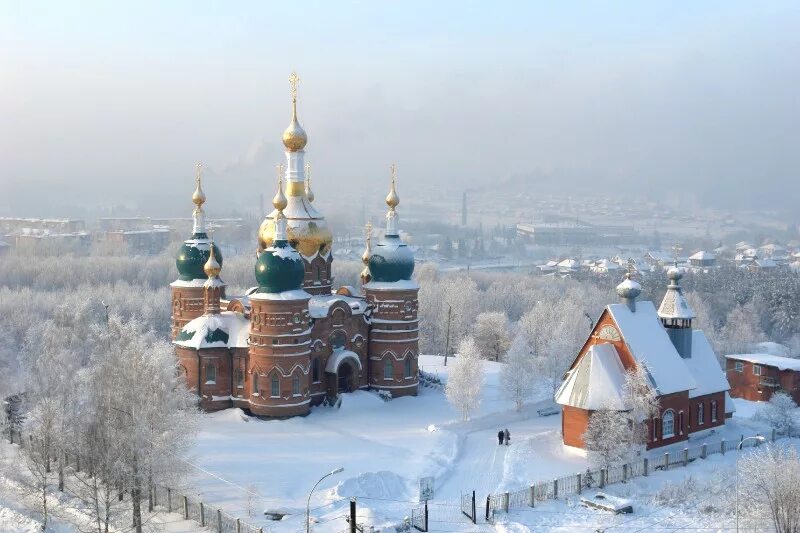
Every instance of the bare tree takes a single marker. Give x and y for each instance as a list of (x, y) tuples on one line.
[(781, 413), (491, 334), (518, 376), (465, 380), (607, 438), (641, 398), (770, 477)]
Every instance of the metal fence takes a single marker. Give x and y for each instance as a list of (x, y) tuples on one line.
[(576, 483), (192, 508)]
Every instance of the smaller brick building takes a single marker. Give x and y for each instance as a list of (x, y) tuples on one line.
[(758, 376)]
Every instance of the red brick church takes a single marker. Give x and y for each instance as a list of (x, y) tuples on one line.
[(679, 362), (290, 342)]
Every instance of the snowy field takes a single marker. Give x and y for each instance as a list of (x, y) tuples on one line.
[(385, 447)]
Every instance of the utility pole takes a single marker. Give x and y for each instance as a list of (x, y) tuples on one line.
[(447, 340)]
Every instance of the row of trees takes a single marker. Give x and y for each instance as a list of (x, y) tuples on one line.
[(104, 395)]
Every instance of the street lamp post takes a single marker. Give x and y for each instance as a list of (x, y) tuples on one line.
[(308, 502), (759, 438)]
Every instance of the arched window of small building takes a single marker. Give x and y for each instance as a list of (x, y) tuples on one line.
[(388, 370), (295, 385), (701, 414), (211, 374), (315, 370), (255, 383), (407, 368), (238, 377), (713, 410), (668, 424), (275, 386)]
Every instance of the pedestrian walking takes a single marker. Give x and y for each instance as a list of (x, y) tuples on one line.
[(501, 435), (507, 436)]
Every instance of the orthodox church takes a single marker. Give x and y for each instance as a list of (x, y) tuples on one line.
[(291, 341), (678, 360)]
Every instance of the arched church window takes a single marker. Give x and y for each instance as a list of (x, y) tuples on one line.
[(388, 370), (211, 374), (668, 424), (275, 386), (295, 385), (315, 370), (238, 377), (255, 383), (408, 367)]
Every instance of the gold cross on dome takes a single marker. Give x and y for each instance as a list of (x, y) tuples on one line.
[(675, 251), (394, 172), (308, 171), (368, 230), (631, 266), (198, 171), (294, 81)]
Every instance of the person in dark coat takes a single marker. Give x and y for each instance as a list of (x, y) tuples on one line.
[(501, 435), (507, 436)]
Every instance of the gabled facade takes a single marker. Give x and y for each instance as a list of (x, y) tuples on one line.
[(680, 364)]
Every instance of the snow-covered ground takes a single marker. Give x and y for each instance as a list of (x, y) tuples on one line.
[(385, 447)]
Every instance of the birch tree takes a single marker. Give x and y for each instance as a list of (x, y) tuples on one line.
[(641, 398), (607, 438), (518, 376), (491, 335), (465, 380)]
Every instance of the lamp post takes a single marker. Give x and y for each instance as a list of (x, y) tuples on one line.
[(308, 502), (758, 438)]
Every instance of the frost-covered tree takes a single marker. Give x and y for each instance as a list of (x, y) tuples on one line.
[(491, 334), (781, 413), (641, 398), (465, 380), (741, 330), (518, 376), (607, 438), (769, 477)]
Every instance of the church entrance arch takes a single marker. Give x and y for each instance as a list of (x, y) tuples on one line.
[(342, 371)]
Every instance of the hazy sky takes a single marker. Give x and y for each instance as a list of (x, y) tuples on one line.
[(111, 103)]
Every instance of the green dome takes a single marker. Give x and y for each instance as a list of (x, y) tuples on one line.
[(392, 260), (192, 256), (279, 268)]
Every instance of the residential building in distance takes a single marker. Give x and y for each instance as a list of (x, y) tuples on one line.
[(757, 376)]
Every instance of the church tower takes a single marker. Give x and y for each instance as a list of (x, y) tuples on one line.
[(676, 315), (280, 326), (392, 294), (187, 291), (307, 230)]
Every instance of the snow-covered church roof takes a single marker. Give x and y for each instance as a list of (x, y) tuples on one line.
[(705, 367), (228, 329), (596, 382), (651, 346)]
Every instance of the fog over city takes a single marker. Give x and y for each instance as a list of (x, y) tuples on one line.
[(111, 104)]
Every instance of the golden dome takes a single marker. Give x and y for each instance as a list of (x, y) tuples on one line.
[(279, 201), (212, 267), (306, 236), (308, 191), (368, 248), (294, 137), (393, 199), (198, 196)]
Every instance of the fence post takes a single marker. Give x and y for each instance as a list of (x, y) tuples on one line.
[(488, 498), (666, 461), (533, 495), (757, 441), (580, 484), (602, 477), (474, 516), (555, 489), (624, 473), (722, 447), (685, 456), (426, 516), (773, 434), (185, 508), (505, 501), (202, 515), (703, 451), (646, 466), (169, 499), (238, 526), (353, 515), (219, 521)]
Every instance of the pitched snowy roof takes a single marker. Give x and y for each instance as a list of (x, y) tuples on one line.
[(705, 368), (596, 382), (225, 330), (781, 363), (651, 346), (702, 255)]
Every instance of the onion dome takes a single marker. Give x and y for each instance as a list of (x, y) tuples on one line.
[(212, 268), (279, 267), (308, 191), (194, 253), (294, 137), (629, 289), (366, 276), (674, 304), (674, 274), (391, 260)]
